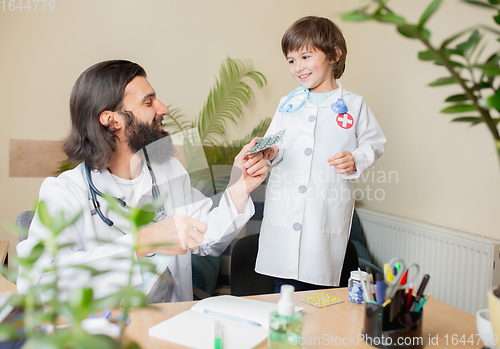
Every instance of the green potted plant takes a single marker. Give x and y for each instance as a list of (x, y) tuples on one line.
[(63, 321), (460, 55)]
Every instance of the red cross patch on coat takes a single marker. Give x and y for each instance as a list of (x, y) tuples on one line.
[(345, 121)]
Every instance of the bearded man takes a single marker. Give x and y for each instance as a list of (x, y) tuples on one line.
[(118, 136)]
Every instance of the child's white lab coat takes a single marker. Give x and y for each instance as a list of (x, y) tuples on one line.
[(308, 207)]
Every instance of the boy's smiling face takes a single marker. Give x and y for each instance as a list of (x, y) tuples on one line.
[(312, 70)]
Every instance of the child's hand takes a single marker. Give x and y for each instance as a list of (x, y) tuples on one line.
[(270, 153), (343, 162)]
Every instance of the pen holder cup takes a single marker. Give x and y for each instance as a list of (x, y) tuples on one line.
[(404, 331)]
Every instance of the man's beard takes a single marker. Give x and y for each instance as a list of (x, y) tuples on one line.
[(141, 135)]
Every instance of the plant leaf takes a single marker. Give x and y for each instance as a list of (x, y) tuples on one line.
[(471, 42), (35, 253), (489, 69), (428, 12), (479, 3), (457, 98), (174, 121), (454, 37), (390, 18), (472, 119), (481, 85), (91, 270), (144, 215), (43, 213), (7, 333), (428, 55), (494, 101), (407, 31), (460, 108), (81, 297), (66, 165), (444, 81), (226, 99), (413, 32), (356, 16)]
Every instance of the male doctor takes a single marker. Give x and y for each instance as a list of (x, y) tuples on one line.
[(116, 115)]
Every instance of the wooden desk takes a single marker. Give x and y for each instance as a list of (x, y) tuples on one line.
[(5, 285), (325, 325)]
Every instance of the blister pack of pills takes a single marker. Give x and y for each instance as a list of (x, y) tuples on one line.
[(321, 300), (267, 142)]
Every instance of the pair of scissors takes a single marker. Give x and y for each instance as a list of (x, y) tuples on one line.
[(401, 278)]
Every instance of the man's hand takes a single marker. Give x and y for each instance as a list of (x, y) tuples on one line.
[(171, 236), (343, 162), (249, 170)]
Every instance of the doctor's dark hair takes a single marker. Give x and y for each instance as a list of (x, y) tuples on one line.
[(101, 87), (317, 33)]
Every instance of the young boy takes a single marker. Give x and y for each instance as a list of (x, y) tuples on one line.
[(331, 137)]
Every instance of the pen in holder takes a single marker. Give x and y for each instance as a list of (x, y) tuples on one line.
[(392, 326)]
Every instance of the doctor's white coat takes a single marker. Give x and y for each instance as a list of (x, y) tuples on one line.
[(97, 245), (308, 207)]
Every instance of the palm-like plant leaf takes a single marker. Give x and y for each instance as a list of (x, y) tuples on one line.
[(226, 99), (174, 123), (225, 153)]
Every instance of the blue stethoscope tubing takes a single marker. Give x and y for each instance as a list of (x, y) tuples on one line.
[(94, 192), (286, 107)]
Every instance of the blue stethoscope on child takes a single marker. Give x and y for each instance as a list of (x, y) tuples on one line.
[(338, 107), (94, 192)]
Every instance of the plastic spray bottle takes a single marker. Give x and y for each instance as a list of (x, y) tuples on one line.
[(285, 325)]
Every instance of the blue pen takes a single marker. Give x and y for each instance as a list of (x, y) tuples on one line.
[(380, 289), (230, 317)]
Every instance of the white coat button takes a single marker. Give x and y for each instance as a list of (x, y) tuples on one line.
[(308, 151), (302, 189), (297, 226), (312, 118)]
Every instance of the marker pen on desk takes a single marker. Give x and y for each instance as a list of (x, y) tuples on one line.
[(420, 292), (380, 289), (371, 282), (409, 296), (364, 286), (217, 335), (229, 317), (421, 304)]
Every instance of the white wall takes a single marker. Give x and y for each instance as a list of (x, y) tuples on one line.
[(448, 174)]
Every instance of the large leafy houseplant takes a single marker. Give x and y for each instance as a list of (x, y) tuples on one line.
[(462, 57), (53, 317), (224, 104)]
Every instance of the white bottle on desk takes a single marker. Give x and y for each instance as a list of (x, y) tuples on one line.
[(285, 325)]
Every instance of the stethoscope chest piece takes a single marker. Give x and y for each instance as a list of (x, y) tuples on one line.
[(339, 106)]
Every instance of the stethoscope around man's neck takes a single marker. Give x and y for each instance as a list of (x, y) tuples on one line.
[(94, 192), (338, 107)]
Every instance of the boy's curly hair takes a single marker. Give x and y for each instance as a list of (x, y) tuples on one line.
[(317, 33)]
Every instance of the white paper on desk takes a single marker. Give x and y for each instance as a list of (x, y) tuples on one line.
[(195, 329)]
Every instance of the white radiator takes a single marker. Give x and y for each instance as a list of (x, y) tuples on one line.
[(462, 266)]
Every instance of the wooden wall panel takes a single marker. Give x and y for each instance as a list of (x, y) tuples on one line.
[(34, 158)]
